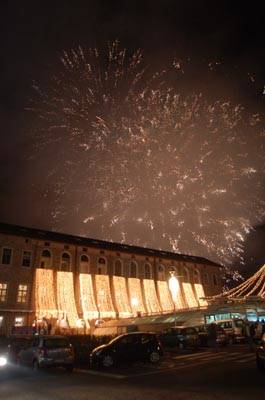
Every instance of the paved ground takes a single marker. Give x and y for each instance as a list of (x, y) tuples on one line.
[(228, 374)]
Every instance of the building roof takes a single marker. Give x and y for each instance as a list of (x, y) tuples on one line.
[(101, 244)]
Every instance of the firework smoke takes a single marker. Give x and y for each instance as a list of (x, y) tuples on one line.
[(133, 160)]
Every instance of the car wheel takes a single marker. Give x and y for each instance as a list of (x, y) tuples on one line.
[(260, 364), (154, 357), (69, 368), (35, 365), (107, 361)]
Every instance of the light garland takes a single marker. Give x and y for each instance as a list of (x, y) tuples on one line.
[(151, 299), (121, 297), (136, 298), (88, 301), (66, 297), (199, 290), (44, 295), (165, 296), (189, 295), (103, 296)]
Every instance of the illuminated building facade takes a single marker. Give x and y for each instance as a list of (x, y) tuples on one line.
[(73, 281)]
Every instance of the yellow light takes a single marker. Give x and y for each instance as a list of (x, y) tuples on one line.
[(164, 296), (88, 301), (174, 287), (44, 293), (189, 295), (103, 295), (135, 292), (66, 296), (200, 293), (121, 297), (151, 299)]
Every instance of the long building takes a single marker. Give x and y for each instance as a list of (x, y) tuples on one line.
[(76, 280)]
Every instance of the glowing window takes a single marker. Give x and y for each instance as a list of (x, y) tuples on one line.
[(3, 292), (46, 259), (65, 262), (118, 268), (22, 293), (133, 269), (19, 321)]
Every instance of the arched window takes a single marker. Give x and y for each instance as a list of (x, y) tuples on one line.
[(196, 276), (161, 272), (46, 259), (205, 278), (118, 268), (147, 271), (186, 275), (66, 262), (133, 269), (84, 264), (215, 280), (102, 266)]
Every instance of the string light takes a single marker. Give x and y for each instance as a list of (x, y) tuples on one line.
[(189, 295), (135, 292), (151, 299), (66, 296), (121, 297), (88, 301), (199, 290), (44, 293), (103, 294), (164, 296)]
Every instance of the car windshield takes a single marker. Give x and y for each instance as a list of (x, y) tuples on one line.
[(56, 343)]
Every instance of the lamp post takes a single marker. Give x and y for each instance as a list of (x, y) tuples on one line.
[(173, 284)]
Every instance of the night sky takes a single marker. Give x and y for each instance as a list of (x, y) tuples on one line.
[(221, 46)]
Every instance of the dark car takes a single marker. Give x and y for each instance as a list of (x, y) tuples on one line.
[(47, 351), (16, 344), (180, 336), (260, 354), (135, 346), (203, 332)]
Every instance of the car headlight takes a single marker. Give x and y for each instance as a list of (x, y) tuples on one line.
[(3, 361)]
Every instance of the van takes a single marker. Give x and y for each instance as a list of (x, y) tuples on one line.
[(233, 328)]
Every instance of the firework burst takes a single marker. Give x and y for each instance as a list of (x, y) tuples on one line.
[(133, 160)]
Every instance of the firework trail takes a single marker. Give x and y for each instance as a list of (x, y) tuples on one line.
[(133, 160)]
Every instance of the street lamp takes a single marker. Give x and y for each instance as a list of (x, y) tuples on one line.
[(173, 284)]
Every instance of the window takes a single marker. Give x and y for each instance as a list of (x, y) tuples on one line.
[(19, 321), (26, 258), (147, 271), (3, 292), (84, 264), (6, 256), (133, 269), (22, 293), (161, 272), (118, 268), (65, 262), (196, 276), (46, 259), (102, 266), (215, 280), (186, 275), (205, 278)]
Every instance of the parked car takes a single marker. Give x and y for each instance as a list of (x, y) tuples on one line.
[(180, 336), (203, 333), (233, 329), (260, 354), (130, 347), (16, 344), (47, 351)]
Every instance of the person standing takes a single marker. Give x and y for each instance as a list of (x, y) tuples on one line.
[(212, 332)]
